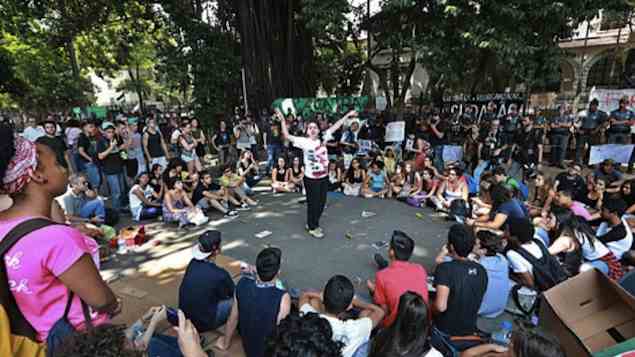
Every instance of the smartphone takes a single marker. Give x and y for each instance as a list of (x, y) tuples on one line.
[(172, 316)]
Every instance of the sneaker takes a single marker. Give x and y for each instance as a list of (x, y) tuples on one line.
[(381, 262), (243, 207), (317, 233), (231, 214)]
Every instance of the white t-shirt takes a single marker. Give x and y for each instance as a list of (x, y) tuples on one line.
[(592, 252), (352, 333), (316, 157), (623, 245), (135, 203), (520, 264), (174, 139)]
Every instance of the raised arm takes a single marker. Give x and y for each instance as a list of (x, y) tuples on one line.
[(283, 126), (340, 122)]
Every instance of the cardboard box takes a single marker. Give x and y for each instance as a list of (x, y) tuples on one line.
[(588, 314)]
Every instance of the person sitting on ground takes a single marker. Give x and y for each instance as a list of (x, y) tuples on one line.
[(409, 335), (156, 180), (247, 168), (543, 195), (208, 194), (80, 203), (570, 180), (52, 262), (397, 277), (411, 184), (501, 177), (334, 304), (258, 306), (308, 335), (451, 189), (145, 203), (355, 178), (497, 267), (461, 285), (582, 250), (627, 193), (279, 178), (615, 231), (523, 344), (296, 174), (428, 189), (390, 161), (376, 184), (207, 290), (335, 177), (233, 183), (565, 200), (177, 206), (505, 210), (612, 177)]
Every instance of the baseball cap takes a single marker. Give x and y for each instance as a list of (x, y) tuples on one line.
[(208, 243), (268, 263), (105, 125)]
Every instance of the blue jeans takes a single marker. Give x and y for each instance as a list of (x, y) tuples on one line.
[(478, 171), (223, 309), (164, 346), (273, 152), (93, 174), (93, 208), (117, 185), (363, 350), (559, 145)]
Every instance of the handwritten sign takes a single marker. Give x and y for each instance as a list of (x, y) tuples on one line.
[(452, 153), (395, 131), (616, 152), (365, 146)]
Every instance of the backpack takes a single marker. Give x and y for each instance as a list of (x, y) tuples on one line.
[(23, 335), (458, 210), (547, 270)]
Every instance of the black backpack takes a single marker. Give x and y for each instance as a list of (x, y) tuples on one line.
[(547, 270)]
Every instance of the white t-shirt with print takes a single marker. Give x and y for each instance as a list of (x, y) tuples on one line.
[(316, 157), (352, 333)]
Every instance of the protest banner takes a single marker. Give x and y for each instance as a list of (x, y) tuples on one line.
[(452, 153), (609, 98), (395, 131), (365, 146), (616, 152), (457, 104), (308, 107)]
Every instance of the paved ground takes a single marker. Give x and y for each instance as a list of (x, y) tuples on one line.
[(307, 262)]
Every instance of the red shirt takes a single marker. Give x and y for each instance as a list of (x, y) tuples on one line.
[(397, 279)]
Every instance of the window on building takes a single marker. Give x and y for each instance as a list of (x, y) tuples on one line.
[(613, 72)]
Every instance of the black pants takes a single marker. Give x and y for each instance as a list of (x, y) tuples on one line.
[(316, 190)]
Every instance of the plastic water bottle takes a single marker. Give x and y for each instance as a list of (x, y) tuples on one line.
[(121, 243), (503, 335)]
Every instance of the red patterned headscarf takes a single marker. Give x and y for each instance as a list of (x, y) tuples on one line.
[(20, 167)]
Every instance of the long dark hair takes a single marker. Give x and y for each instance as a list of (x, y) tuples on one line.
[(408, 335), (350, 173), (576, 228), (499, 195)]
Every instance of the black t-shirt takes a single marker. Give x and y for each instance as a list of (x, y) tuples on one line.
[(467, 282), (57, 145), (113, 163), (89, 144), (491, 142), (528, 142), (197, 195), (575, 184), (442, 127)]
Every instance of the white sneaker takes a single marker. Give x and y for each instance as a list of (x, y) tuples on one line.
[(317, 233)]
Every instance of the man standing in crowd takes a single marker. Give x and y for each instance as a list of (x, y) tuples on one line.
[(207, 290), (87, 148), (619, 124), (436, 135), (490, 148), (560, 133), (56, 143), (154, 146), (589, 130), (109, 150), (334, 304), (528, 145), (511, 124), (397, 277), (461, 285)]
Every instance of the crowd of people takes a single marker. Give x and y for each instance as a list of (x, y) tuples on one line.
[(515, 226)]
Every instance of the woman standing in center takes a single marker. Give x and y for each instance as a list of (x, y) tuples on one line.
[(316, 163)]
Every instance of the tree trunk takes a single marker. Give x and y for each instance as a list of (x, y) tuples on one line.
[(137, 86)]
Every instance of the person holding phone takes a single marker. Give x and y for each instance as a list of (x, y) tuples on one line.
[(316, 161)]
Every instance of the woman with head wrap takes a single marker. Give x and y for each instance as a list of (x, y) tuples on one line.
[(46, 265)]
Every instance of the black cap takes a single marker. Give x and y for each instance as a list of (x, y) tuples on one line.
[(208, 243)]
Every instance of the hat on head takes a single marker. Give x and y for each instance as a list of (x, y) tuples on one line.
[(595, 101), (106, 125), (208, 243)]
